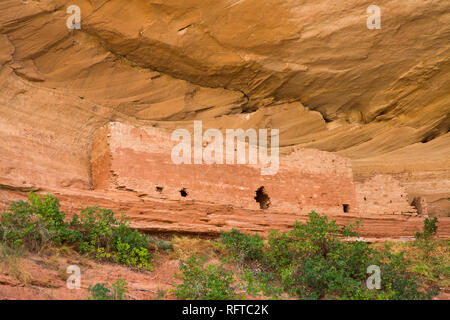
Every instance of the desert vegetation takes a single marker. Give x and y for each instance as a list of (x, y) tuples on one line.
[(316, 259), (39, 221)]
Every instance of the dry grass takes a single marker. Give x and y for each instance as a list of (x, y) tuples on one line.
[(12, 263), (55, 258), (62, 274), (184, 247), (433, 266), (59, 251)]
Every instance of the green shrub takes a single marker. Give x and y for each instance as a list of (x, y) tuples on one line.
[(312, 261), (319, 277), (100, 291), (280, 252), (204, 283), (403, 284), (252, 285), (262, 281), (33, 223), (244, 247), (424, 240), (123, 233), (95, 226), (160, 243), (119, 289), (132, 256), (111, 238), (429, 229), (96, 231)]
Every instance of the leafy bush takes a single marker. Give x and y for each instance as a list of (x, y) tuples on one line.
[(160, 244), (122, 233), (96, 231), (243, 246), (280, 252), (111, 238), (429, 229), (312, 261), (403, 285), (204, 283), (424, 240), (132, 256), (95, 228), (100, 291), (261, 281), (33, 223)]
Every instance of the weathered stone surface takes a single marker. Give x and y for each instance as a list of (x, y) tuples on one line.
[(383, 194), (208, 219), (309, 68), (139, 160)]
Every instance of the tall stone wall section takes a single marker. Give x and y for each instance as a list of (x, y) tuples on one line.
[(139, 160)]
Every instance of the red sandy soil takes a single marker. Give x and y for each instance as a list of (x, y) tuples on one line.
[(45, 278)]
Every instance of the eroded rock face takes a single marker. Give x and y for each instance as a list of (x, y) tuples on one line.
[(309, 68)]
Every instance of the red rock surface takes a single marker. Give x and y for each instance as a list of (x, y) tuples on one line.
[(377, 99), (207, 219), (139, 160)]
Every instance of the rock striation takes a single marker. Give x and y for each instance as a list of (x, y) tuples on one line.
[(377, 100)]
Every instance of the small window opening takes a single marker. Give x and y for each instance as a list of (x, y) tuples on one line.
[(183, 192)]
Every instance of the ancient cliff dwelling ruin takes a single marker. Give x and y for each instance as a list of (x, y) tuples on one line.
[(363, 115), (138, 159), (223, 150)]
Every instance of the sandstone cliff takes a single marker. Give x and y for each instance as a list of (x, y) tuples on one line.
[(310, 68)]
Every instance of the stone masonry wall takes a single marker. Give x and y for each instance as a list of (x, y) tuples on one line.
[(138, 159), (382, 194)]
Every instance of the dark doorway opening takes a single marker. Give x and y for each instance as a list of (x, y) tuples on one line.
[(262, 198), (159, 189), (346, 207)]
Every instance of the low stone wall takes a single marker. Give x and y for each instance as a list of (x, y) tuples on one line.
[(382, 194)]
